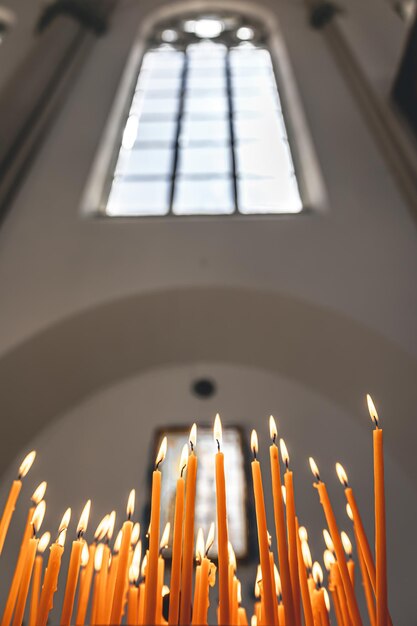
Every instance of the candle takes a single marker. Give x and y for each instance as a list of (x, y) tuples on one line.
[(74, 567), (347, 546), (302, 574), (13, 496), (174, 599), (142, 590), (119, 586), (334, 532), (222, 530), (32, 545), (280, 529), (98, 562), (111, 578), (37, 575), (163, 544), (330, 562), (188, 543), (262, 534), (380, 530), (102, 606), (199, 554), (134, 570), (52, 571), (207, 578), (292, 533)]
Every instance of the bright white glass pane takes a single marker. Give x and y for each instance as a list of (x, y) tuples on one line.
[(142, 197), (199, 81), (207, 106), (250, 57), (150, 105), (204, 160), (199, 197), (263, 158), (159, 131), (205, 130), (268, 127), (152, 82), (271, 195), (161, 59), (145, 162)]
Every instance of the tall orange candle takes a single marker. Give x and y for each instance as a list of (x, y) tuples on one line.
[(37, 576), (334, 532), (366, 582), (302, 574), (13, 496), (380, 524), (330, 562), (119, 586), (163, 544), (292, 533), (132, 601), (347, 545), (222, 530), (74, 567), (174, 598), (98, 562), (268, 588), (280, 529), (206, 579), (188, 543)]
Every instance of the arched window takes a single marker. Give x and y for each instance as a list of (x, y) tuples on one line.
[(205, 133)]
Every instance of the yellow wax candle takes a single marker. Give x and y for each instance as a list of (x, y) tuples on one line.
[(132, 605), (102, 586), (119, 586), (280, 525), (37, 576), (334, 532), (174, 597), (188, 543), (222, 530), (302, 574), (263, 543), (98, 562), (13, 496)]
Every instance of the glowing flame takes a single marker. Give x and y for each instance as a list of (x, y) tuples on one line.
[(26, 464), (183, 459), (347, 544), (118, 541), (328, 559), (130, 504), (372, 410), (284, 494), (39, 493), (110, 526), (210, 538), (135, 566), (162, 452), (317, 573), (83, 523), (38, 515), (134, 538), (349, 511), (258, 581), (314, 468), (98, 557), (340, 471), (217, 431), (193, 436), (328, 540), (66, 518), (253, 621), (144, 564), (165, 591), (278, 588), (326, 600), (85, 555), (239, 592), (61, 537), (302, 533), (273, 430), (254, 442), (44, 542), (232, 555), (163, 544), (284, 452), (199, 545), (306, 555), (102, 528), (137, 554)]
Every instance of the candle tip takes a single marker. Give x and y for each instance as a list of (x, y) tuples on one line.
[(85, 555), (39, 493), (328, 559), (305, 550), (328, 540), (273, 430), (302, 533), (111, 521), (184, 459), (314, 468), (61, 537), (210, 538), (341, 473), (26, 464), (83, 523), (66, 518), (161, 453), (165, 537), (349, 512), (102, 529), (44, 542), (372, 410), (254, 442), (317, 574), (284, 453), (347, 544), (217, 431), (193, 437), (98, 557), (130, 504), (118, 542), (135, 534), (38, 515)]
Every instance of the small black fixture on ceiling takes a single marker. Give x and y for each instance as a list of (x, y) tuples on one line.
[(204, 388)]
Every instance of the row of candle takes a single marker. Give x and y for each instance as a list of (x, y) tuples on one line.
[(111, 585)]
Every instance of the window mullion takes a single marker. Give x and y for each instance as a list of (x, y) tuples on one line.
[(178, 133), (229, 91)]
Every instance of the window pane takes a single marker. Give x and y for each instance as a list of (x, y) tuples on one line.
[(206, 105), (145, 162), (204, 161), (263, 158), (202, 196), (144, 197), (205, 131), (156, 131), (272, 195)]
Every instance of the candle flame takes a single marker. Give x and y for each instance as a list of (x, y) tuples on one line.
[(257, 581), (217, 431), (347, 544), (110, 525), (199, 545), (328, 559), (38, 515), (44, 542), (349, 511), (165, 537), (98, 557), (341, 473), (317, 573), (83, 523), (278, 588), (254, 443), (284, 494), (326, 599), (144, 564), (284, 452), (39, 493), (372, 410), (26, 464), (161, 453), (232, 555), (61, 537), (134, 537), (118, 541), (183, 459), (85, 555), (306, 555), (314, 468), (239, 592), (66, 518), (302, 533), (273, 430), (328, 540), (193, 437), (102, 529), (130, 504), (137, 554), (134, 569), (253, 621), (210, 538), (165, 591)]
